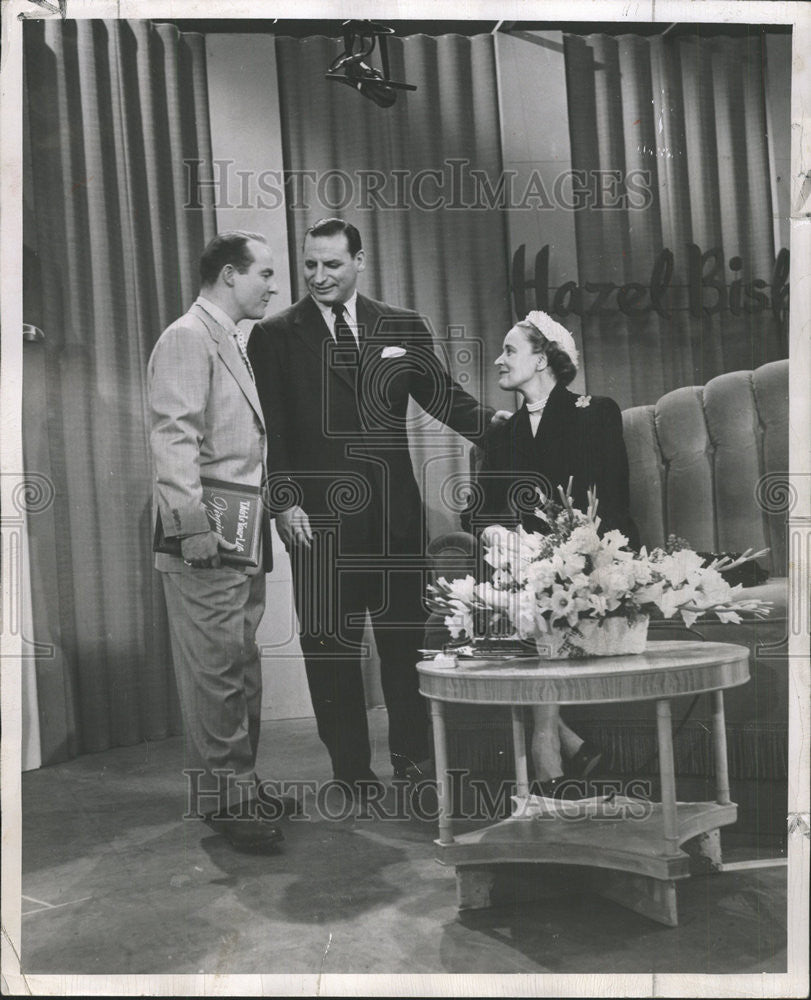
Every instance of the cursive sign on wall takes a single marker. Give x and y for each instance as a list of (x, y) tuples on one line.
[(706, 292)]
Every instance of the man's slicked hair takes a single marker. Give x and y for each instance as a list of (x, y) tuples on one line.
[(331, 227), (230, 247)]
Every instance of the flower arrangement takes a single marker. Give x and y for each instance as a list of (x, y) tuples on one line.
[(735, 569), (574, 593)]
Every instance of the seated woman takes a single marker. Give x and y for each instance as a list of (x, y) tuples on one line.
[(554, 437)]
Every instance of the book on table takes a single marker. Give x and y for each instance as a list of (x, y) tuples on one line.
[(234, 511)]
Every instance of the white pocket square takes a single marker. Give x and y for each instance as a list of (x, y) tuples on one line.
[(392, 352)]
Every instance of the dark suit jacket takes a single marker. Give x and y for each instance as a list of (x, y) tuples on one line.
[(585, 443), (335, 415)]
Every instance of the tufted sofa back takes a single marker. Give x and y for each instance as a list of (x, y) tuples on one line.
[(696, 457)]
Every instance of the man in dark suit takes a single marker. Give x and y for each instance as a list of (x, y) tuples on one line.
[(335, 373)]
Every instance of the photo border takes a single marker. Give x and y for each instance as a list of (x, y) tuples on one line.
[(792, 983)]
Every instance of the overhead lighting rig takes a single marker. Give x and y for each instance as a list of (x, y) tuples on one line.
[(351, 68)]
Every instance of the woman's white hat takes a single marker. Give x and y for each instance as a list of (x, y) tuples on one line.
[(554, 332)]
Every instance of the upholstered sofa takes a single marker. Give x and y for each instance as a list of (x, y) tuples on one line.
[(706, 464)]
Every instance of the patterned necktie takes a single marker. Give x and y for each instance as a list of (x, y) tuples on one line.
[(242, 346), (343, 332)]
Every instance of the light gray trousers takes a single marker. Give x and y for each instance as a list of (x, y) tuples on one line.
[(213, 618)]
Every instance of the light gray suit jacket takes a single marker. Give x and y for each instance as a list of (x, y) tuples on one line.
[(206, 421)]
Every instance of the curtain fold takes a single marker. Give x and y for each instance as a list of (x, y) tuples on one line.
[(690, 112), (116, 109)]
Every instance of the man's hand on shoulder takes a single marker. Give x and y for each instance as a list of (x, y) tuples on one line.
[(500, 417), (293, 526)]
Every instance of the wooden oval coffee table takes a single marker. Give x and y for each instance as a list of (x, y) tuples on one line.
[(633, 846)]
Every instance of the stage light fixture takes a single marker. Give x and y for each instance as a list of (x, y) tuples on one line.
[(351, 68)]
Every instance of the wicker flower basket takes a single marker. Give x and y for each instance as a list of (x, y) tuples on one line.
[(595, 637)]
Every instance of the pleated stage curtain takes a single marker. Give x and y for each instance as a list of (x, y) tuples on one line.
[(689, 111), (115, 108), (426, 248)]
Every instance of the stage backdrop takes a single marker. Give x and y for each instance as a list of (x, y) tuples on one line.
[(114, 108), (688, 115)]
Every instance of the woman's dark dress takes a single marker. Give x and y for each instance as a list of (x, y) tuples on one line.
[(584, 442)]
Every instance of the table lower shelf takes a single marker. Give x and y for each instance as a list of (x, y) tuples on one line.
[(627, 837)]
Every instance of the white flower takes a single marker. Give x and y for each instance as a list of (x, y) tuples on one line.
[(669, 602), (614, 539), (495, 535), (689, 617), (642, 570), (502, 579), (580, 582), (492, 597), (582, 401), (503, 549), (584, 539), (496, 539), (540, 575), (458, 624), (599, 603), (572, 564), (530, 543), (614, 580), (651, 594), (713, 589), (543, 601), (680, 566), (461, 589), (527, 615), (567, 564), (561, 603)]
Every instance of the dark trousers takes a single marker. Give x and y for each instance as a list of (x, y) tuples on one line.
[(332, 597)]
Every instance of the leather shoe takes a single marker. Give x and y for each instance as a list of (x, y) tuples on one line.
[(585, 760), (250, 834)]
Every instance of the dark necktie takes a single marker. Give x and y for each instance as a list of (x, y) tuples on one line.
[(346, 356), (343, 332)]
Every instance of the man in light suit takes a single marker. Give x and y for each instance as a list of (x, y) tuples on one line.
[(335, 373), (207, 422)]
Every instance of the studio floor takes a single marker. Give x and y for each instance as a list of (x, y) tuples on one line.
[(114, 881)]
